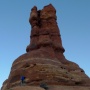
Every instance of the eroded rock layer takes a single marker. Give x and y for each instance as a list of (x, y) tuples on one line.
[(44, 60)]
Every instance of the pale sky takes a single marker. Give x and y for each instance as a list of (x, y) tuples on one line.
[(73, 18)]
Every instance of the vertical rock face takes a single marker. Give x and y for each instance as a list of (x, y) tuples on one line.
[(44, 60), (45, 34)]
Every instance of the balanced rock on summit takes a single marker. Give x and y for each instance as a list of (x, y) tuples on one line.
[(44, 60)]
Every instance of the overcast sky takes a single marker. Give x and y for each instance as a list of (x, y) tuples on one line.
[(73, 18)]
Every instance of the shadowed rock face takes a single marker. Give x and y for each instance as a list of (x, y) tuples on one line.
[(44, 60)]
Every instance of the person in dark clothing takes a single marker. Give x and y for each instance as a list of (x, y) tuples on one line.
[(22, 80)]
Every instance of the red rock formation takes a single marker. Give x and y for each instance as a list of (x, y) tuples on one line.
[(44, 60)]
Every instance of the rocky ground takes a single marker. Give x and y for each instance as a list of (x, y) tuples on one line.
[(50, 88)]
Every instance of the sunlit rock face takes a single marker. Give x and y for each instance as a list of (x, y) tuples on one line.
[(44, 60)]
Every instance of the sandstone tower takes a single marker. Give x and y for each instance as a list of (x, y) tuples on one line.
[(44, 60)]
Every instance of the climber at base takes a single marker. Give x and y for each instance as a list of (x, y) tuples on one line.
[(23, 80)]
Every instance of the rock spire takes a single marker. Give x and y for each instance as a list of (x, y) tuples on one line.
[(44, 60)]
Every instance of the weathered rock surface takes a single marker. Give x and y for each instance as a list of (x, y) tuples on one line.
[(26, 88), (44, 60), (54, 87)]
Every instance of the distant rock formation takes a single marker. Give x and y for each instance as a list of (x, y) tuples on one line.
[(44, 60)]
